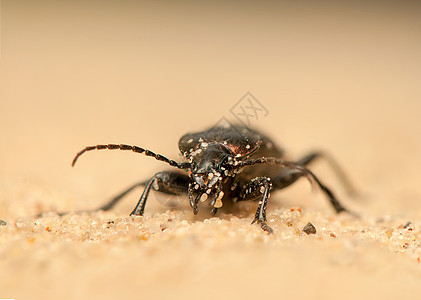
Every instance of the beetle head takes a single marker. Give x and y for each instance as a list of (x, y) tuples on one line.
[(208, 169), (209, 164)]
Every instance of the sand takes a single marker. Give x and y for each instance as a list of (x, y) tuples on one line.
[(342, 78), (105, 255)]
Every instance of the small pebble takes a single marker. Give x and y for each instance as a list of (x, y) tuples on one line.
[(2, 223), (407, 224), (309, 228)]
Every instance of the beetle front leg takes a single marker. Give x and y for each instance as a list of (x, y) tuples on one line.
[(168, 182), (258, 187)]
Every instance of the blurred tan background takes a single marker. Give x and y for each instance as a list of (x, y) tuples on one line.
[(341, 76), (344, 77)]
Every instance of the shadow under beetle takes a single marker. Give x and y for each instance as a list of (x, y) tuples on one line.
[(232, 163)]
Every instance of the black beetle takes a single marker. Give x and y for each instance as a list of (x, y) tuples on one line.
[(233, 163)]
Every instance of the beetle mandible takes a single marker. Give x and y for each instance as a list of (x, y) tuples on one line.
[(233, 163)]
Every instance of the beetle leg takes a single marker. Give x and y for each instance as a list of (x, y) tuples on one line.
[(111, 203), (168, 182), (335, 167), (258, 187), (193, 201), (295, 171), (287, 178)]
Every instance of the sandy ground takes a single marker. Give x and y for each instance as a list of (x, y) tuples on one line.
[(343, 78)]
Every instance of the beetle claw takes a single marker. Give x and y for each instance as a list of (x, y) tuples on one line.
[(263, 225), (213, 211)]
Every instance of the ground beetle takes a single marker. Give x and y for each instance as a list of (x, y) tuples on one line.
[(232, 163)]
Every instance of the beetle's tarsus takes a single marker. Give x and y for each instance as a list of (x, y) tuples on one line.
[(214, 211), (263, 225), (135, 213)]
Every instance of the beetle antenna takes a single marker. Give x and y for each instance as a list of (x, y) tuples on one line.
[(183, 165)]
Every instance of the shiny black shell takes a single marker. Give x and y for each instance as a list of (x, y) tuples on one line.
[(242, 141)]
